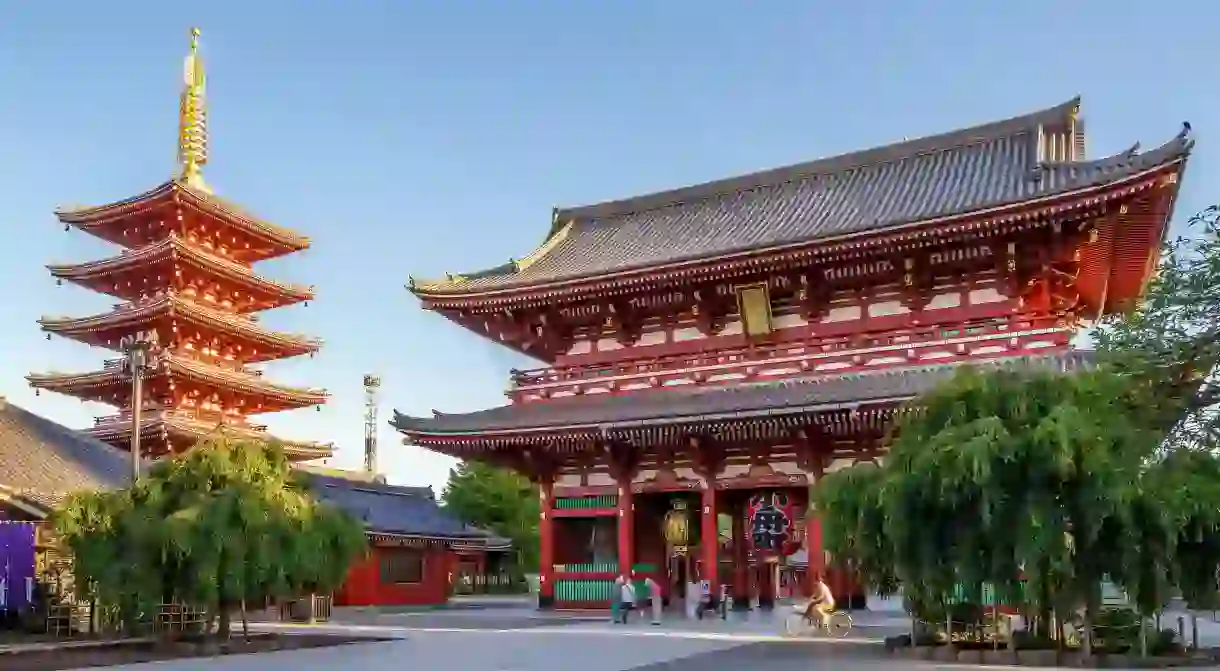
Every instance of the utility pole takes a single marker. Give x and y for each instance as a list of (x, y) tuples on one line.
[(371, 384), (138, 347)]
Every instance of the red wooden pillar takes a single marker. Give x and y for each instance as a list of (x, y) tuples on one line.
[(626, 528), (741, 557), (546, 548), (813, 548), (710, 541)]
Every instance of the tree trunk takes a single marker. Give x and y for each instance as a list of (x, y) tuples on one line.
[(1194, 630), (225, 626), (1090, 615), (245, 623)]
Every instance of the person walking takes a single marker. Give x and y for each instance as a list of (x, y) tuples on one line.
[(626, 599), (616, 599), (654, 598)]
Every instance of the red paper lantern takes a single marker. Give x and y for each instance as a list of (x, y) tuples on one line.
[(772, 524)]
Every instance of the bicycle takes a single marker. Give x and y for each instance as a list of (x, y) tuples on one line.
[(837, 624)]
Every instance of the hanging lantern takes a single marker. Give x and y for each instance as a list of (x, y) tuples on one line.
[(771, 522), (677, 528)]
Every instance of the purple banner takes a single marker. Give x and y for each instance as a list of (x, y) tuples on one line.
[(16, 564)]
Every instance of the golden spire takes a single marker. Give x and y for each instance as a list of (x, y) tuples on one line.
[(192, 119)]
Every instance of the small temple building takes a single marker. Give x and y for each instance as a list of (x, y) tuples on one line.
[(419, 553), (711, 351), (189, 293)]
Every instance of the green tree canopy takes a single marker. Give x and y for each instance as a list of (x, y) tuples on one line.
[(224, 524), (500, 501), (1026, 479)]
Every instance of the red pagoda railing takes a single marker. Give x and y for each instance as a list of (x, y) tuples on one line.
[(727, 360), (209, 416)]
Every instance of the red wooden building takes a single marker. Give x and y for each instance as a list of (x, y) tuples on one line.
[(184, 276), (719, 347), (419, 553)]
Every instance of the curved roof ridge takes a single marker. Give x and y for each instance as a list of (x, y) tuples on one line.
[(857, 159)]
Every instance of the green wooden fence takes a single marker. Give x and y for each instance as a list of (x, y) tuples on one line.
[(587, 502)]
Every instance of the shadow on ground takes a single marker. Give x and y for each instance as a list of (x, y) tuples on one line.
[(780, 656)]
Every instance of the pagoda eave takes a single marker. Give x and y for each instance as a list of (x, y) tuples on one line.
[(94, 219), (173, 433), (166, 314), (127, 276), (113, 386)]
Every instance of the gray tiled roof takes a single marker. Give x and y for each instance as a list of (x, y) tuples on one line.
[(694, 404), (43, 461), (393, 509), (951, 174)]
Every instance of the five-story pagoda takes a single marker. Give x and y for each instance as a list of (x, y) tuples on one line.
[(187, 283)]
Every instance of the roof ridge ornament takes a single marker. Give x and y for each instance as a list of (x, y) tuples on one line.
[(192, 119)]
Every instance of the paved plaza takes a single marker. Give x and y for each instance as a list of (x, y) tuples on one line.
[(521, 639)]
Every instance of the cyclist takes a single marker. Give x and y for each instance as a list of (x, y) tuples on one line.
[(821, 603)]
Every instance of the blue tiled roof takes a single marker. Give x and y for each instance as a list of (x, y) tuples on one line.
[(391, 509)]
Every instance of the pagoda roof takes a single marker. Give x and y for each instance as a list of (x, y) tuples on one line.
[(696, 404), (181, 424), (173, 247), (88, 217), (42, 462), (135, 316), (986, 168), (397, 510), (174, 364)]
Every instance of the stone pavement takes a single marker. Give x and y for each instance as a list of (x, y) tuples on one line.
[(519, 639), (512, 639)]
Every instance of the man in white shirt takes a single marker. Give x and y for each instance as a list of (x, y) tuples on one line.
[(626, 598)]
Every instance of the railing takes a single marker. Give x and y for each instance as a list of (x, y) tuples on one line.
[(192, 414), (218, 362), (586, 502), (522, 380), (587, 589), (490, 584)]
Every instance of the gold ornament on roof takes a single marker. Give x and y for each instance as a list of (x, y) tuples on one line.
[(192, 119)]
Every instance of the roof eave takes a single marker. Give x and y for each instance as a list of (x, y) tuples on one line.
[(451, 294), (87, 214), (650, 421), (14, 498)]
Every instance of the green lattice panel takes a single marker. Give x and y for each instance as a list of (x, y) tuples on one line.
[(597, 567), (988, 595), (583, 590), (587, 502)]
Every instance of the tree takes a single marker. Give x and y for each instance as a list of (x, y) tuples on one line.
[(1170, 340), (1023, 478), (499, 501), (224, 524)]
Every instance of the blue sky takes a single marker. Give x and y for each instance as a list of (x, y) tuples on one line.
[(419, 137)]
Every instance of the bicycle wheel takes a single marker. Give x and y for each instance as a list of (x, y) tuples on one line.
[(839, 624), (797, 624)]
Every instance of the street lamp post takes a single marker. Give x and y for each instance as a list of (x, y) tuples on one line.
[(138, 348)]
